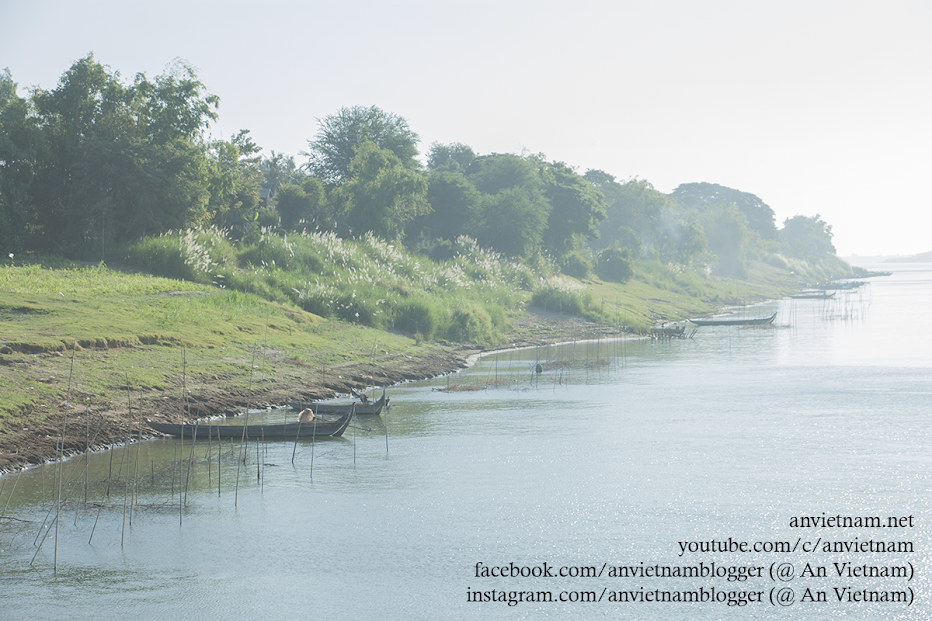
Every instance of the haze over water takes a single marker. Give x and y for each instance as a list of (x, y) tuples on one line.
[(612, 457)]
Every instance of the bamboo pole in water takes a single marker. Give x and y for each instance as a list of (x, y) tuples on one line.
[(296, 436), (384, 423), (210, 446), (188, 478), (313, 443), (245, 422), (136, 475)]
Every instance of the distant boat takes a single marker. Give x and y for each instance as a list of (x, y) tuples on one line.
[(813, 295), (366, 407), (733, 322), (287, 431)]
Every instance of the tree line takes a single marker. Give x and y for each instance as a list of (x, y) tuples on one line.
[(99, 161)]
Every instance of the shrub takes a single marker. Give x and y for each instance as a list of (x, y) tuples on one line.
[(473, 324), (418, 316), (615, 265), (576, 265)]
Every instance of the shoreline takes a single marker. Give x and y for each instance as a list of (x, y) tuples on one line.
[(108, 425)]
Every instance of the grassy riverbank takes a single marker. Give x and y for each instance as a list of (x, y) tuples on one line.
[(91, 350)]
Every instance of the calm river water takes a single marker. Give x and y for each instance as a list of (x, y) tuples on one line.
[(612, 458)]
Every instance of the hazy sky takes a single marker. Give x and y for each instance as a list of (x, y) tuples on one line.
[(815, 107)]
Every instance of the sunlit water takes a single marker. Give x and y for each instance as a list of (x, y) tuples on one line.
[(610, 457)]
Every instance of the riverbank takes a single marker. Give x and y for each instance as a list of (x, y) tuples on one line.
[(87, 422)]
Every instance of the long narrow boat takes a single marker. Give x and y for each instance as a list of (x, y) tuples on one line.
[(813, 295), (286, 431), (734, 322), (372, 408)]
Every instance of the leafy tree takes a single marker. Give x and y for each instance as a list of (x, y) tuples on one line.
[(701, 196), (381, 194), (340, 135), (301, 203), (174, 105), (577, 207), (806, 238), (726, 228), (454, 157), (634, 205), (277, 170), (116, 161), (18, 142), (500, 171), (511, 221), (235, 178), (453, 201)]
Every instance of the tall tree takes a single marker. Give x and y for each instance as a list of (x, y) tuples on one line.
[(454, 157), (331, 153), (302, 204), (381, 195), (235, 178), (118, 160), (701, 196), (18, 142), (453, 201), (577, 208), (806, 238)]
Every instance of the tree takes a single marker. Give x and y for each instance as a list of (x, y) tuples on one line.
[(235, 178), (511, 221), (116, 161), (18, 142), (277, 170), (701, 196), (453, 201), (454, 157), (577, 207), (301, 203), (381, 195), (340, 135), (726, 228), (500, 171), (806, 238), (634, 205)]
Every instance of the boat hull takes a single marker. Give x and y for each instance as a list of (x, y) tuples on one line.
[(734, 322), (365, 409), (287, 431)]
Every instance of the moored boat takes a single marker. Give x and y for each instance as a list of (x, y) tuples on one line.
[(364, 408), (726, 321), (287, 431), (813, 295)]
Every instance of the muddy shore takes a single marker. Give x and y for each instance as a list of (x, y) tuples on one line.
[(102, 425)]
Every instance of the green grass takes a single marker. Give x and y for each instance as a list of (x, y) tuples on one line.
[(218, 313), (123, 326)]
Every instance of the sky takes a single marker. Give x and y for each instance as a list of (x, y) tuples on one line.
[(816, 107)]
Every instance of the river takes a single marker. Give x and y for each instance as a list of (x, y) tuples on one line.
[(630, 466)]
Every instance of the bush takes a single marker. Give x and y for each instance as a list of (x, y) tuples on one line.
[(418, 316), (576, 265), (473, 324), (561, 300), (615, 265)]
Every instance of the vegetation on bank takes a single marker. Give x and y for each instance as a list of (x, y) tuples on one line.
[(361, 253)]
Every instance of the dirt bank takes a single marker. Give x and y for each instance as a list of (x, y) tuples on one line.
[(98, 423)]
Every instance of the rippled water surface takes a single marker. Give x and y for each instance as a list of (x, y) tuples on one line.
[(609, 458)]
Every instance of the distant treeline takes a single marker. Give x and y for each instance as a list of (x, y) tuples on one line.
[(99, 162)]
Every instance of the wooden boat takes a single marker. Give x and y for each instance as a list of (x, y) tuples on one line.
[(286, 431), (734, 322), (669, 332), (813, 295), (373, 408)]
